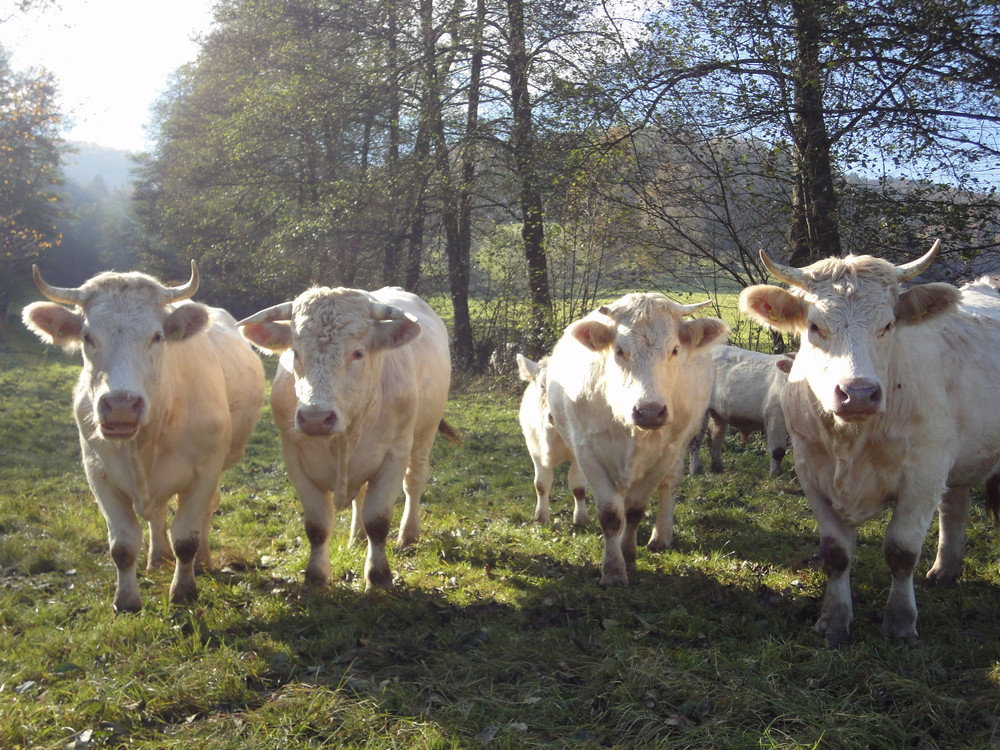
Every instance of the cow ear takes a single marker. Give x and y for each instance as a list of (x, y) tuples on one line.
[(390, 334), (271, 337), (773, 307), (785, 364), (921, 303), (703, 332), (593, 334), (185, 321), (53, 324), (527, 369)]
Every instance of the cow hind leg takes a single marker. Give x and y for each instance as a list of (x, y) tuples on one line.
[(578, 487), (543, 486), (663, 531), (160, 552), (716, 434), (414, 483), (954, 516)]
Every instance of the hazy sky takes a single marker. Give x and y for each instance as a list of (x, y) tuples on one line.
[(112, 58)]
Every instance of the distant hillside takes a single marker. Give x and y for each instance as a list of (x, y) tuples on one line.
[(91, 161)]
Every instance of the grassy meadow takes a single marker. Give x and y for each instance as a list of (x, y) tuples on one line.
[(496, 635)]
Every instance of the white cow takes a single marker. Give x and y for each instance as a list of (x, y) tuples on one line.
[(168, 395), (892, 402), (747, 397), (628, 387), (358, 397), (545, 445)]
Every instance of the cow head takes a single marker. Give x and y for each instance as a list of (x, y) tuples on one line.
[(846, 312), (333, 339), (645, 343), (122, 321)]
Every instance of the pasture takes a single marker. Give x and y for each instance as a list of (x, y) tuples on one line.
[(496, 635)]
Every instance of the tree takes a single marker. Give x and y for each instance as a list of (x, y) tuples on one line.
[(30, 149), (838, 89)]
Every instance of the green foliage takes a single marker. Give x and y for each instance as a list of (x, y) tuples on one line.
[(29, 170), (496, 633)]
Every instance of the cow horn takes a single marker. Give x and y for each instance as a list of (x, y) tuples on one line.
[(694, 307), (275, 312), (914, 268), (788, 274), (184, 291), (381, 311), (62, 295)]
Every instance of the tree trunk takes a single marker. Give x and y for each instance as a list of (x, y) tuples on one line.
[(532, 211), (814, 232)]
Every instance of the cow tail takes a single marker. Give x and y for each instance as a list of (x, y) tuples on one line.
[(449, 432), (993, 498)]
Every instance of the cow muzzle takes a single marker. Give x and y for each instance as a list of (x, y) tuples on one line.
[(317, 422), (856, 399), (119, 414), (649, 416)]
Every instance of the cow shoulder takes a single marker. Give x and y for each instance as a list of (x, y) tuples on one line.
[(921, 303), (774, 307), (53, 324)]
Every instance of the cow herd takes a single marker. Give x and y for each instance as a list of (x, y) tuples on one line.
[(892, 401)]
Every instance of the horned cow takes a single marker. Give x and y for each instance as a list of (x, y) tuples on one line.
[(358, 397), (891, 403), (168, 395)]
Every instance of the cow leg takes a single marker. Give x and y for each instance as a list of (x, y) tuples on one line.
[(716, 434), (414, 483), (777, 446), (379, 501), (578, 486), (124, 536), (837, 544), (203, 558), (954, 516), (543, 485), (611, 514), (160, 552), (357, 532), (663, 532), (901, 546), (188, 534), (694, 449)]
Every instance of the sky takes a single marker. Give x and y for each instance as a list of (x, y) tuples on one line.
[(112, 59)]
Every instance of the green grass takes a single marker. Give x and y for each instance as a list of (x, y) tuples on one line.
[(496, 634)]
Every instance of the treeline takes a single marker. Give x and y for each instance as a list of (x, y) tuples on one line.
[(525, 158)]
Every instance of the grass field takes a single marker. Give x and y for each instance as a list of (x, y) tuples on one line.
[(496, 635)]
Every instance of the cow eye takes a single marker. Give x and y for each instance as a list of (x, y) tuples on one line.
[(815, 330), (885, 330), (357, 354), (157, 337), (88, 340), (619, 352), (675, 351)]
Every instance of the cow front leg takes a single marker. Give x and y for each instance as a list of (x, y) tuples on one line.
[(612, 517), (188, 534), (124, 539), (837, 611), (904, 536), (954, 516), (381, 496)]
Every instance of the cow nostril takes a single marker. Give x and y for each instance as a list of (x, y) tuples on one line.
[(316, 421), (649, 415), (858, 396)]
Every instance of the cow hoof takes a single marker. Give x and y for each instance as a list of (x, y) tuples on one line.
[(942, 576), (614, 579), (316, 581), (656, 544), (183, 593), (581, 519), (378, 580), (130, 606)]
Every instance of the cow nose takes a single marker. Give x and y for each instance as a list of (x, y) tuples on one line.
[(316, 422), (857, 397), (120, 413), (649, 416)]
